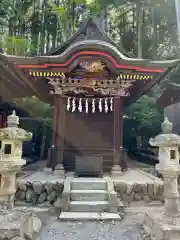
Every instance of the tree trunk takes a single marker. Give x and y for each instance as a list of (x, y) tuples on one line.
[(47, 42), (178, 17), (35, 32), (139, 13), (154, 27), (43, 30)]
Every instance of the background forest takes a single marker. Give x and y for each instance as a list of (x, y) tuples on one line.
[(144, 28)]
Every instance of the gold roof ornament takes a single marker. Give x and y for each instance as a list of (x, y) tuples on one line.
[(93, 66)]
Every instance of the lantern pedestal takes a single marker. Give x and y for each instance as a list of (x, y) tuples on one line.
[(21, 222), (160, 227), (14, 222), (116, 171), (164, 224)]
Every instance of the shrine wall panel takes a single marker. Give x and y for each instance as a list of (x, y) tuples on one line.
[(88, 134), (89, 130)]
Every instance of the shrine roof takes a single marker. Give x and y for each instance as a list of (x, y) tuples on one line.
[(169, 96), (84, 46), (90, 36), (90, 42)]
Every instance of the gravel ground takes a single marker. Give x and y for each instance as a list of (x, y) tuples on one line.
[(127, 229)]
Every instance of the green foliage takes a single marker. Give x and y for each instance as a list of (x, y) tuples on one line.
[(147, 115), (35, 108)]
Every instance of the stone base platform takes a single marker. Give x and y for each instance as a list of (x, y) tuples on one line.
[(130, 176), (155, 226), (42, 188), (90, 216)]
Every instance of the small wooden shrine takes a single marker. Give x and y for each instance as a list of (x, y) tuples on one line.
[(170, 102), (88, 81), (170, 95)]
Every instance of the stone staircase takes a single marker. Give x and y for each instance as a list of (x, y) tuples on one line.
[(90, 199)]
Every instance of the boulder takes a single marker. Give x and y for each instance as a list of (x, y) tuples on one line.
[(22, 185), (37, 187), (52, 196), (20, 195), (42, 197)]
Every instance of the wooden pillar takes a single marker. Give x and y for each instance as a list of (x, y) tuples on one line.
[(51, 161), (119, 158), (54, 123), (118, 128), (60, 133)]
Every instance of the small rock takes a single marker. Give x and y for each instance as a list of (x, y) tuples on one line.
[(37, 186), (49, 187), (22, 184), (129, 188), (30, 196), (42, 197), (52, 196), (20, 195)]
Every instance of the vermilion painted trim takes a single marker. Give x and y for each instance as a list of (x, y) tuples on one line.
[(113, 61)]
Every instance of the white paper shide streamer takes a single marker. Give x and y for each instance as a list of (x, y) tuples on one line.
[(100, 105), (86, 105), (73, 105), (80, 105), (93, 106), (68, 103), (106, 105), (111, 104)]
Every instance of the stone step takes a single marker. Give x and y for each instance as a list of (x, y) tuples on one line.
[(89, 195), (79, 216), (86, 206), (88, 184)]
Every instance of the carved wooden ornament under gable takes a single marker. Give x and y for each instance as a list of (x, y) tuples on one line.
[(89, 77)]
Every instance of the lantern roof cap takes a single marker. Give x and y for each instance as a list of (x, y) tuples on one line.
[(166, 138), (12, 132)]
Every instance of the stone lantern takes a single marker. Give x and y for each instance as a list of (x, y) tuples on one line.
[(11, 139), (165, 223)]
